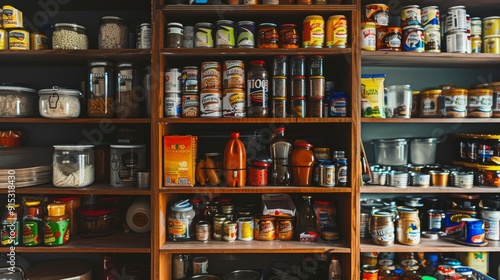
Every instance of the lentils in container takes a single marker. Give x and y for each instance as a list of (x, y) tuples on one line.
[(17, 101), (59, 103), (69, 36), (113, 33)]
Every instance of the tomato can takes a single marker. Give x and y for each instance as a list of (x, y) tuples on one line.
[(313, 32), (336, 31), (265, 228), (3, 39), (224, 34), (268, 37), (432, 39), (19, 39), (377, 13), (210, 75), (233, 74), (203, 35), (289, 38), (430, 16), (172, 105), (190, 104), (39, 41), (491, 44), (211, 103), (491, 26), (234, 103), (389, 38), (245, 228), (245, 31), (413, 39), (410, 15), (368, 36), (284, 225)]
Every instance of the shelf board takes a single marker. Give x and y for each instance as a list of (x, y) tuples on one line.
[(443, 244), (411, 189), (97, 188), (116, 243), (430, 120), (254, 246), (248, 189), (254, 51), (75, 120), (441, 60), (223, 10), (71, 57), (89, 5), (254, 120)]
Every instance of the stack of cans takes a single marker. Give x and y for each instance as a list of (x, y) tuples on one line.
[(457, 30), (413, 32), (432, 29)]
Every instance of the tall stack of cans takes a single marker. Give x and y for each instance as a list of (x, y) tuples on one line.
[(413, 32), (172, 101), (190, 100), (432, 29), (457, 30), (210, 93), (476, 33), (316, 88), (279, 87), (233, 83)]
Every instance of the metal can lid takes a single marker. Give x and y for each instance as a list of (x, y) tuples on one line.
[(104, 18)]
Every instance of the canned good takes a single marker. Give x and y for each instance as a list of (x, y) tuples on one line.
[(289, 38), (279, 86), (219, 220), (265, 228), (211, 103), (368, 36), (313, 32), (476, 44), (382, 228), (476, 26), (336, 31), (3, 40), (245, 31), (410, 15), (316, 86), (19, 39), (284, 225), (389, 38), (413, 39), (39, 41), (279, 107), (430, 16), (280, 64), (455, 102), (210, 75), (203, 231), (11, 17), (435, 219), (377, 13), (224, 34), (369, 272), (432, 39), (479, 103), (327, 175), (172, 105), (233, 74), (172, 80), (189, 79), (245, 228), (491, 44), (233, 102), (456, 19), (229, 231), (190, 104), (203, 35), (144, 35), (268, 36), (456, 42), (491, 26)]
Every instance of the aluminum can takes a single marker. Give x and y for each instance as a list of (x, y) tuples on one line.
[(456, 19), (456, 42), (476, 26), (19, 39), (172, 80), (491, 26), (245, 228), (38, 41), (368, 36), (189, 79), (430, 16), (313, 32), (203, 231), (413, 39), (229, 231), (377, 13), (245, 31), (432, 39), (203, 35), (234, 103), (190, 105), (410, 15), (233, 74), (210, 75), (224, 34), (491, 44), (172, 105), (210, 103), (327, 175), (476, 44)]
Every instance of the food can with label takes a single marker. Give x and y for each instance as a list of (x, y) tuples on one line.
[(3, 39), (189, 79), (476, 26), (289, 38), (456, 19), (265, 228), (224, 34), (491, 44), (145, 33), (233, 74), (431, 103), (12, 17), (203, 35), (172, 80), (19, 39), (245, 228), (430, 16), (389, 38), (313, 32), (336, 31), (210, 103), (172, 105), (245, 31), (190, 104), (39, 41), (410, 15), (268, 37), (285, 229), (432, 39), (210, 75), (408, 226), (234, 103), (229, 231), (368, 36), (491, 26), (413, 39), (479, 103), (377, 13), (476, 43), (455, 102), (456, 42)]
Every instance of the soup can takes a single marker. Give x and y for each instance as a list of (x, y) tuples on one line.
[(234, 103), (245, 228), (190, 104), (476, 26), (245, 31), (172, 80), (173, 105), (377, 13), (411, 15), (203, 35), (211, 103), (432, 39), (313, 32), (19, 39), (491, 26), (233, 74), (210, 75), (430, 16), (336, 31), (368, 36), (189, 79), (456, 19), (456, 42), (491, 44), (224, 34), (413, 39), (389, 38)]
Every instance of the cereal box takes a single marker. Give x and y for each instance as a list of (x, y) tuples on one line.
[(179, 158)]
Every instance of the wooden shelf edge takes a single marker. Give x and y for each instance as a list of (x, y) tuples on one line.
[(98, 188), (254, 51), (411, 189), (76, 120), (444, 244), (256, 8), (255, 120), (430, 120), (248, 189)]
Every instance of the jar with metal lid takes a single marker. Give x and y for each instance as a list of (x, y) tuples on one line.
[(489, 175), (369, 272), (268, 36), (280, 66), (128, 100), (479, 103), (298, 107), (69, 36), (297, 65), (315, 107), (144, 34), (258, 173), (382, 228), (73, 165), (59, 103), (17, 101), (408, 226), (113, 33), (101, 89), (96, 221), (180, 224), (455, 102), (218, 221), (431, 103), (56, 226), (175, 34)]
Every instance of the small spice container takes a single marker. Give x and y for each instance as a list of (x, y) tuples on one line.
[(95, 222), (17, 101), (278, 107), (316, 86), (73, 166), (69, 36), (279, 86), (315, 65), (113, 33), (258, 173), (298, 86), (59, 103)]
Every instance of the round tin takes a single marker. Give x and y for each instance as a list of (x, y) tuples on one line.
[(368, 36), (3, 39), (410, 15), (413, 39), (476, 43), (476, 26), (190, 104), (19, 39), (203, 35), (210, 75), (455, 102), (211, 103), (229, 231), (172, 105), (430, 16), (38, 41), (456, 42), (203, 231), (491, 26), (245, 228), (234, 103), (265, 228), (327, 175), (377, 13), (432, 39), (336, 31), (224, 34), (268, 36), (491, 44), (472, 231), (173, 80), (245, 31), (389, 38), (189, 79), (456, 19), (233, 74), (313, 32), (289, 38)]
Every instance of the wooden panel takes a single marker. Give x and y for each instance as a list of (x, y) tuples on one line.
[(442, 245)]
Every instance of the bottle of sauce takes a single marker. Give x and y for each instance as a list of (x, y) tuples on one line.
[(280, 153), (302, 163), (56, 229), (32, 223), (235, 162), (257, 90), (306, 221), (11, 221)]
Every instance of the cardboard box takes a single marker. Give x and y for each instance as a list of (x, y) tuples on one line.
[(179, 160)]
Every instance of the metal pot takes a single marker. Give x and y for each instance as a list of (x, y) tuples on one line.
[(423, 150), (392, 152)]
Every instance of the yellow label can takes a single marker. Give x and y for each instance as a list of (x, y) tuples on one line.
[(336, 31), (39, 41), (3, 39), (12, 17), (19, 39)]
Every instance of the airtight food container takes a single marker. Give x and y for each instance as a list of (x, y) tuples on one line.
[(16, 101), (392, 152), (95, 222), (59, 103)]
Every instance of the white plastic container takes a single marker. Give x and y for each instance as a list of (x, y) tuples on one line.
[(59, 103), (139, 215)]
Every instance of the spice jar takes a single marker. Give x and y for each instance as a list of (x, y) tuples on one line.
[(59, 103), (101, 89), (298, 86), (56, 229), (315, 107), (73, 166), (278, 107), (258, 173), (69, 36), (297, 65), (113, 33), (180, 221), (175, 35)]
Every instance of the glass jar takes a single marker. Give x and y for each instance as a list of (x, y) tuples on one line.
[(72, 205), (297, 65), (11, 224), (128, 102), (113, 33), (408, 226), (280, 65), (73, 166), (289, 38), (279, 107), (268, 36), (298, 86), (315, 107), (17, 101), (257, 90), (32, 230), (175, 35), (69, 36), (258, 173), (489, 175), (180, 221), (56, 228), (386, 272), (59, 103), (298, 107), (96, 221), (101, 89), (411, 273)]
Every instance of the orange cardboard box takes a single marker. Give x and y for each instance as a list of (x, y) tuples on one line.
[(179, 159)]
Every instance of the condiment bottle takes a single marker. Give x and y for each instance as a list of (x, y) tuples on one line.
[(257, 90), (280, 153), (302, 163), (11, 220), (235, 162), (32, 223), (56, 228), (335, 270), (306, 221)]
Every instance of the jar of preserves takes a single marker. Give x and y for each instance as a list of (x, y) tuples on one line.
[(59, 103), (455, 102), (265, 228), (288, 36), (69, 36), (175, 35), (382, 228), (113, 33), (268, 36), (285, 227), (73, 166), (431, 103), (258, 173), (369, 272), (180, 224), (101, 89), (302, 163), (408, 226), (257, 90)]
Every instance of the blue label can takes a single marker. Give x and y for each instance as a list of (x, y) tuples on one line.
[(413, 39), (245, 31)]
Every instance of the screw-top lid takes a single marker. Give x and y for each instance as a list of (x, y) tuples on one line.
[(182, 206), (56, 209), (261, 62), (235, 135)]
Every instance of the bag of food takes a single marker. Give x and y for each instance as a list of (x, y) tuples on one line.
[(372, 96)]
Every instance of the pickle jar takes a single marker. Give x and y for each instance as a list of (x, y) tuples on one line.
[(101, 89), (69, 36), (128, 101), (73, 165), (113, 33)]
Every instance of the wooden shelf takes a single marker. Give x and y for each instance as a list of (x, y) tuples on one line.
[(75, 120), (244, 10), (430, 120), (116, 243), (443, 244), (256, 190), (410, 189), (257, 52), (252, 247), (97, 188), (254, 120)]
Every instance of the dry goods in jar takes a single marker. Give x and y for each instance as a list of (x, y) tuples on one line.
[(73, 166), (100, 99), (59, 103), (17, 101), (113, 33), (69, 36)]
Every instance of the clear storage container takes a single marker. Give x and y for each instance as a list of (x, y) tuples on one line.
[(113, 33), (59, 103), (73, 165), (98, 221), (69, 36), (17, 101)]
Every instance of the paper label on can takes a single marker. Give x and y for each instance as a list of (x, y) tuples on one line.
[(410, 16), (173, 105), (368, 38), (245, 37), (413, 40), (172, 81), (190, 106), (203, 38), (430, 16), (313, 33), (12, 17), (3, 39), (178, 228), (210, 105), (19, 40), (225, 36), (339, 37), (233, 103)]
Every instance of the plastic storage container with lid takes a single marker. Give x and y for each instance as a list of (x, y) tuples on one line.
[(113, 33), (69, 36), (59, 103), (73, 165), (17, 101), (489, 175), (138, 215), (98, 221), (180, 221)]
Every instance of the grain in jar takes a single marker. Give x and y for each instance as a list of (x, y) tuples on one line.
[(279, 86), (316, 86), (278, 107), (298, 86), (315, 65), (315, 107), (113, 33), (280, 65), (479, 102), (268, 36), (431, 103), (297, 65), (313, 32), (69, 36), (336, 32), (101, 94), (298, 107), (289, 38), (175, 34), (455, 102)]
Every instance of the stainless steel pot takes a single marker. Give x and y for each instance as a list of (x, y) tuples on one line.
[(392, 152), (423, 150)]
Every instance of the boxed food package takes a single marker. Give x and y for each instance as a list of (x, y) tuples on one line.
[(372, 96), (277, 205), (179, 159)]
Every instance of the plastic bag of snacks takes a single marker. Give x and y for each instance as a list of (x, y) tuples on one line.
[(372, 95)]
